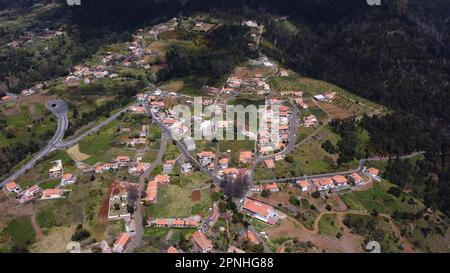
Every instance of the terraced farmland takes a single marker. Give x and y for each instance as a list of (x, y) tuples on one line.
[(344, 99)]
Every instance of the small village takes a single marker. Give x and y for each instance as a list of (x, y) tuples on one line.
[(155, 193)]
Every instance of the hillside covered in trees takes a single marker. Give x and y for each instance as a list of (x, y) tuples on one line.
[(396, 54)]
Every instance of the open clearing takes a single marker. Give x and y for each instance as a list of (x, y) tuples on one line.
[(335, 111), (75, 154)]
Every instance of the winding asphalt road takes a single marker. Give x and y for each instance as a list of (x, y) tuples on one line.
[(58, 108), (137, 216), (71, 142)]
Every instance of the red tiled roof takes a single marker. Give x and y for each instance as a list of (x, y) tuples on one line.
[(373, 171), (339, 179), (303, 183), (172, 250), (49, 192), (67, 176), (257, 207), (123, 240), (201, 240), (11, 185)]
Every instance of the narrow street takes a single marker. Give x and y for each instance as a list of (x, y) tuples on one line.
[(137, 216)]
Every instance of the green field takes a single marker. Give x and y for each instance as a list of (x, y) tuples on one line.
[(378, 199), (21, 231), (39, 173), (329, 225), (174, 199), (236, 146), (374, 229), (307, 214)]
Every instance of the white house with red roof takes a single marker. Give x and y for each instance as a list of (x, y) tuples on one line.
[(324, 184), (121, 243), (206, 157), (340, 181), (260, 211), (11, 187), (68, 178), (356, 179), (201, 243), (304, 185), (374, 173)]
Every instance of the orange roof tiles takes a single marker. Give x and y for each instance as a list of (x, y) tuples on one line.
[(172, 250), (67, 176), (162, 222), (230, 171), (303, 183), (152, 191), (123, 240), (11, 185), (50, 192), (178, 222), (257, 207), (356, 177), (339, 179), (245, 155), (162, 178), (373, 171), (269, 163), (252, 238), (272, 186), (122, 158), (201, 240), (322, 182)]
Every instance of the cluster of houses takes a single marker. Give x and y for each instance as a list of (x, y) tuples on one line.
[(118, 206), (33, 192), (256, 84), (191, 222), (138, 139), (26, 92), (206, 159), (272, 187), (55, 172), (269, 141), (30, 37), (134, 168), (138, 55), (335, 183), (87, 75)]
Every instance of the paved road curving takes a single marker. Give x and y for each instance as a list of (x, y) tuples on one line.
[(58, 108), (69, 143)]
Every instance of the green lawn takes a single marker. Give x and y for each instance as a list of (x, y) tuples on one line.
[(174, 200), (21, 231), (377, 198), (329, 225), (302, 133), (105, 144), (50, 184), (235, 146)]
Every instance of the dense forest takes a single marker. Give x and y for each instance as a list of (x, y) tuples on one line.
[(221, 51)]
